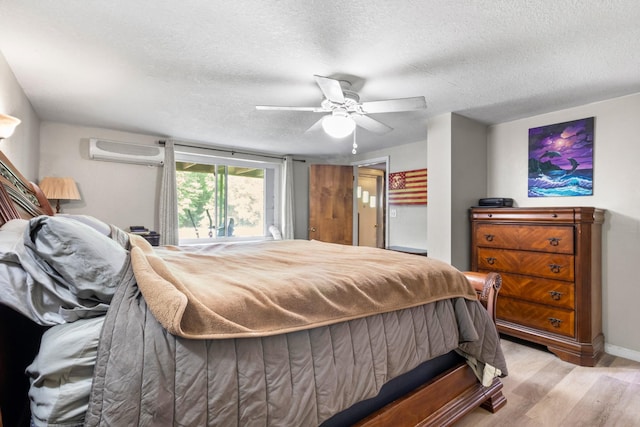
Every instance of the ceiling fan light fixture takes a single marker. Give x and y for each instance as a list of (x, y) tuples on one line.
[(338, 124)]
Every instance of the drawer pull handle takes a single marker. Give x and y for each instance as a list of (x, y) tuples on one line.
[(554, 241), (489, 237), (555, 295), (491, 260), (555, 322), (555, 268), (554, 215)]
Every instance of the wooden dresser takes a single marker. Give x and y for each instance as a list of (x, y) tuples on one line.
[(550, 263)]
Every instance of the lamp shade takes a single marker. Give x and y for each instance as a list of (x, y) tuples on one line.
[(338, 124), (55, 188), (7, 125)]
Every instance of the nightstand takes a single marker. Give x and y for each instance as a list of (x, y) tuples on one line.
[(153, 238)]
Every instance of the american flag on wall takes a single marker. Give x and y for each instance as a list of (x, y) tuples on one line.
[(408, 188)]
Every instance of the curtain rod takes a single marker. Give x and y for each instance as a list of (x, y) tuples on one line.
[(163, 142)]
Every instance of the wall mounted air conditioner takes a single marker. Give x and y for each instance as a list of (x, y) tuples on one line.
[(124, 152)]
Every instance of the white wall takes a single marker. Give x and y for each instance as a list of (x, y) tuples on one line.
[(616, 156), (118, 193), (439, 169), (468, 183), (23, 147), (457, 149), (409, 226)]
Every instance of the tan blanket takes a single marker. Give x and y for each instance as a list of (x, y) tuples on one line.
[(267, 288)]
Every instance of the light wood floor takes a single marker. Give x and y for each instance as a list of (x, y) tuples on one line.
[(542, 390)]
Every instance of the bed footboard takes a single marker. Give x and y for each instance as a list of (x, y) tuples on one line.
[(487, 286), (453, 394)]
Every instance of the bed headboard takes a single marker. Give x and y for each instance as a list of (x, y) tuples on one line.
[(19, 337), (19, 198)]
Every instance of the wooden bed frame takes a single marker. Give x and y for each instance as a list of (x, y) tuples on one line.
[(440, 402), (454, 393)]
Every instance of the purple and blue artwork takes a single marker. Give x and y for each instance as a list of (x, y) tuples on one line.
[(561, 159)]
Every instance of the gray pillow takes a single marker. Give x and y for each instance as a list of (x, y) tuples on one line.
[(98, 225), (11, 235), (62, 373), (35, 295), (77, 256), (44, 287)]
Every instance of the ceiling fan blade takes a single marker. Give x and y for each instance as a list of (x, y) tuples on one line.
[(393, 105), (372, 125), (331, 89), (278, 108), (317, 125)]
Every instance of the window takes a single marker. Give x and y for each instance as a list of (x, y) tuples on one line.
[(222, 198)]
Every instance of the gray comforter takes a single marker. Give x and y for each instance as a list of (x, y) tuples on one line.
[(146, 376)]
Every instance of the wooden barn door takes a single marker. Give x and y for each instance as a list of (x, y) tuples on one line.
[(331, 203)]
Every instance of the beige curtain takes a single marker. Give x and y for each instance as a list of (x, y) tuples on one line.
[(168, 204), (287, 199)]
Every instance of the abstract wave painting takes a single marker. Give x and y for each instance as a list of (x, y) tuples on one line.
[(561, 159)]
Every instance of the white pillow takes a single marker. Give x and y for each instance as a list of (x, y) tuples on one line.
[(275, 232)]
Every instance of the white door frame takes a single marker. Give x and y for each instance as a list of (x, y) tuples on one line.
[(366, 162)]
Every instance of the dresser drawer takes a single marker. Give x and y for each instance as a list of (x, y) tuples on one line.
[(556, 320), (557, 239), (536, 289), (497, 236), (552, 266), (528, 215)]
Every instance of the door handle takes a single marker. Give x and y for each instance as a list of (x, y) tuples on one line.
[(312, 229)]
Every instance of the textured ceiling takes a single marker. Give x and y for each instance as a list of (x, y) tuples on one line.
[(195, 70)]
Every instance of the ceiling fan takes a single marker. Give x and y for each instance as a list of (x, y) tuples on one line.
[(346, 110)]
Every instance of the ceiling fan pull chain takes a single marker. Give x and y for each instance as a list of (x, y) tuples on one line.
[(354, 142)]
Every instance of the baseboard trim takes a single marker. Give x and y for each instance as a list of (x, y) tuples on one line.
[(622, 352)]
